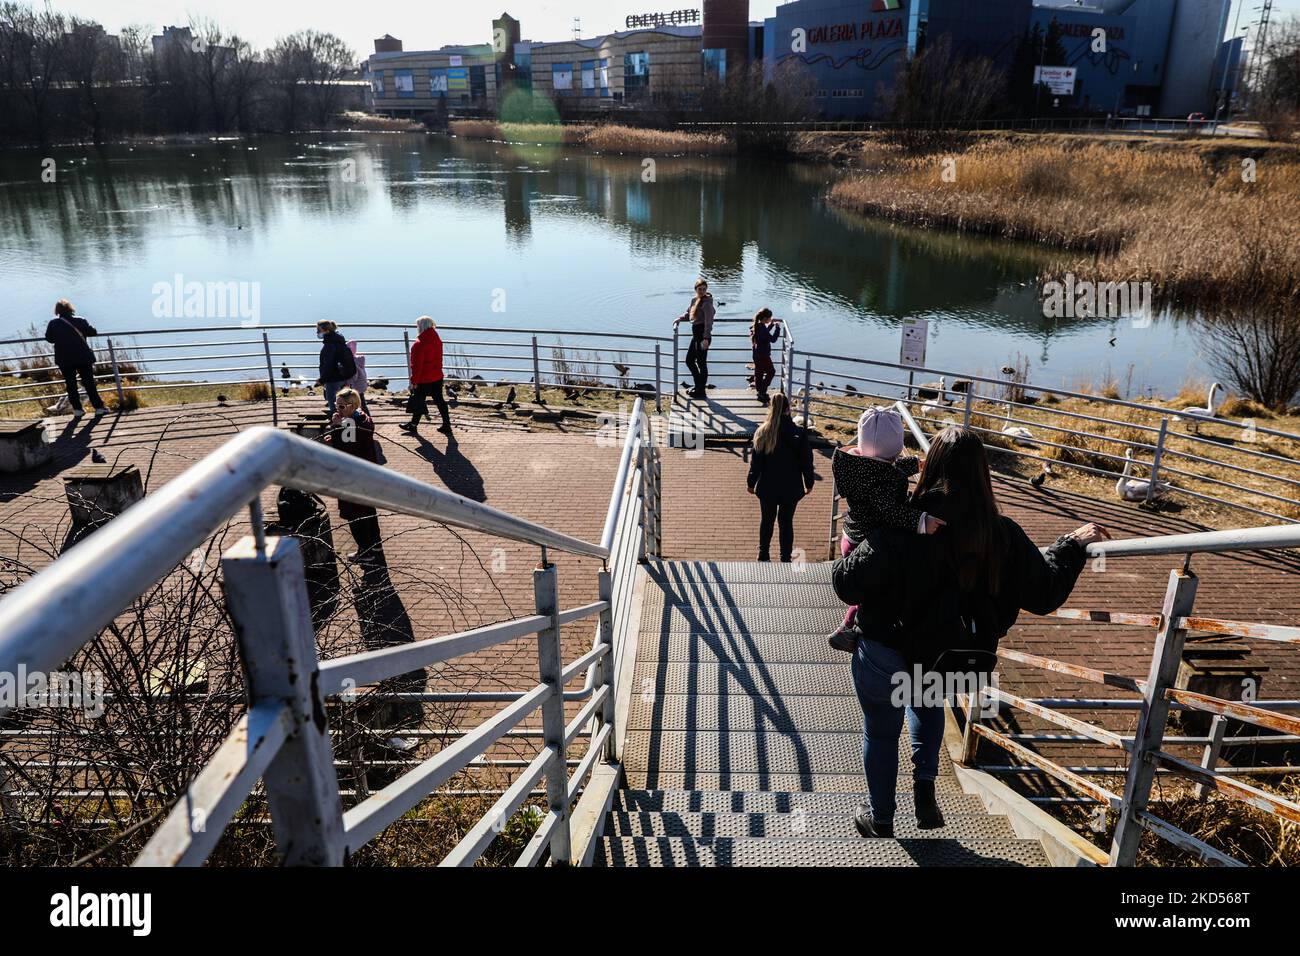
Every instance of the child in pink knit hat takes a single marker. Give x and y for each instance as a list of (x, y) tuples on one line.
[(871, 477)]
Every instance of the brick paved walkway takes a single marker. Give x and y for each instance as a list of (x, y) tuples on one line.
[(563, 479)]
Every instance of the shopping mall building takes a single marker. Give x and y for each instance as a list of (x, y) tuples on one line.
[(1144, 57)]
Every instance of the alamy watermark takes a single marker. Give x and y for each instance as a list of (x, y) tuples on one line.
[(921, 688), (71, 690), (1074, 298), (179, 299)]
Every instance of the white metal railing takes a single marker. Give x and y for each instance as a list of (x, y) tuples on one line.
[(833, 388), (1145, 749), (284, 739)]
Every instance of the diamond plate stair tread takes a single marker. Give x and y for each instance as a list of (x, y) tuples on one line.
[(798, 825), (803, 594), (651, 779), (765, 752), (743, 621), (666, 851), (682, 647), (734, 712), (757, 679), (739, 572), (775, 801)]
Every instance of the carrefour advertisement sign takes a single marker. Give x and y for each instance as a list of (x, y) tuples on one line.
[(1058, 79)]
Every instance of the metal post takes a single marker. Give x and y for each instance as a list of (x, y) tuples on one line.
[(117, 374), (537, 374), (550, 665), (1155, 461), (1210, 757), (911, 378), (406, 340), (835, 507), (267, 598), (676, 358), (1165, 658), (659, 386), (657, 468), (970, 397), (270, 379), (608, 664), (807, 393)]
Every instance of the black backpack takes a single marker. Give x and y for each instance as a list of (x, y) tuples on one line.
[(345, 362)]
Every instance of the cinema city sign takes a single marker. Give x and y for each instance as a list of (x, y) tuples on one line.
[(677, 18)]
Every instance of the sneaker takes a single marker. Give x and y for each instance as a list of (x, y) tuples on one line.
[(445, 429), (78, 412), (870, 828), (101, 411), (408, 428), (845, 639), (928, 814)]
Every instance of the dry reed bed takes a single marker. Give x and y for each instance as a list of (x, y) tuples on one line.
[(601, 138), (1181, 219)]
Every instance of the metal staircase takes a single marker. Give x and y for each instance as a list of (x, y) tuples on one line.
[(744, 738)]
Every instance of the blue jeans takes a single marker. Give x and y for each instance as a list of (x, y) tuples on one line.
[(332, 390), (874, 667)]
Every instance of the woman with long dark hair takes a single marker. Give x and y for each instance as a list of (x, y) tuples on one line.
[(923, 597), (780, 474), (762, 334)]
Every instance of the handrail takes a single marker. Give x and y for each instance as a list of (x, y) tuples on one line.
[(51, 615)]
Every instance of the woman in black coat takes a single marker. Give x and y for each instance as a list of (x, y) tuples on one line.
[(73, 355), (337, 364), (921, 595), (780, 474)]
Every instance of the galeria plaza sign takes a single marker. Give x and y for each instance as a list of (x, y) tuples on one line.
[(677, 18)]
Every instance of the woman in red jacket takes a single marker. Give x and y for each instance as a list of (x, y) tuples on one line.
[(426, 377)]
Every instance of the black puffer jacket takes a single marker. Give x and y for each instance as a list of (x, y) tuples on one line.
[(334, 365), (907, 588), (69, 338)]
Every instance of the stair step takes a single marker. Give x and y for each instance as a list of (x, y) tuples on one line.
[(682, 647), (744, 678), (727, 594), (711, 712), (798, 824), (739, 572), (658, 779), (726, 851), (694, 619), (776, 801), (744, 751)]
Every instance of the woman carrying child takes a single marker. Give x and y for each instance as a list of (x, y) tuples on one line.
[(871, 477)]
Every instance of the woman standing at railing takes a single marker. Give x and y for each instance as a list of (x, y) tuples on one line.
[(337, 365), (73, 355), (780, 475), (933, 607), (700, 314), (426, 377), (762, 334)]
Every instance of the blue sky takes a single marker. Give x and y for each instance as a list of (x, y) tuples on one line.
[(420, 25)]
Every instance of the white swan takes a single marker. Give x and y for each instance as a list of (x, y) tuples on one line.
[(1135, 489), (1194, 414), (939, 404), (1019, 434)]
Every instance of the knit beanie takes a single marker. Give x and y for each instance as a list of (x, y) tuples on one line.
[(880, 433)]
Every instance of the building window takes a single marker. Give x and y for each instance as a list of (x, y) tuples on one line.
[(604, 77), (589, 78), (636, 74), (478, 82), (404, 83), (377, 84), (562, 76), (715, 65), (437, 83)]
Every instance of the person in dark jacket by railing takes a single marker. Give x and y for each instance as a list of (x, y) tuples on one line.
[(921, 595), (73, 355), (780, 474), (762, 334), (337, 364), (353, 432)]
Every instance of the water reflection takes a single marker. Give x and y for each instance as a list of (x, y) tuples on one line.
[(389, 227)]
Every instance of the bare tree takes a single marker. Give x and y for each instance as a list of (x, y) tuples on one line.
[(939, 91), (33, 43), (92, 60), (1259, 354), (1277, 101)]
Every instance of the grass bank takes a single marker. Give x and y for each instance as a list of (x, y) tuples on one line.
[(602, 138), (1190, 218)]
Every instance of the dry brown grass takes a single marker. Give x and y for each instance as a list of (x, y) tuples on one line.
[(1182, 219), (369, 122), (602, 138)]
